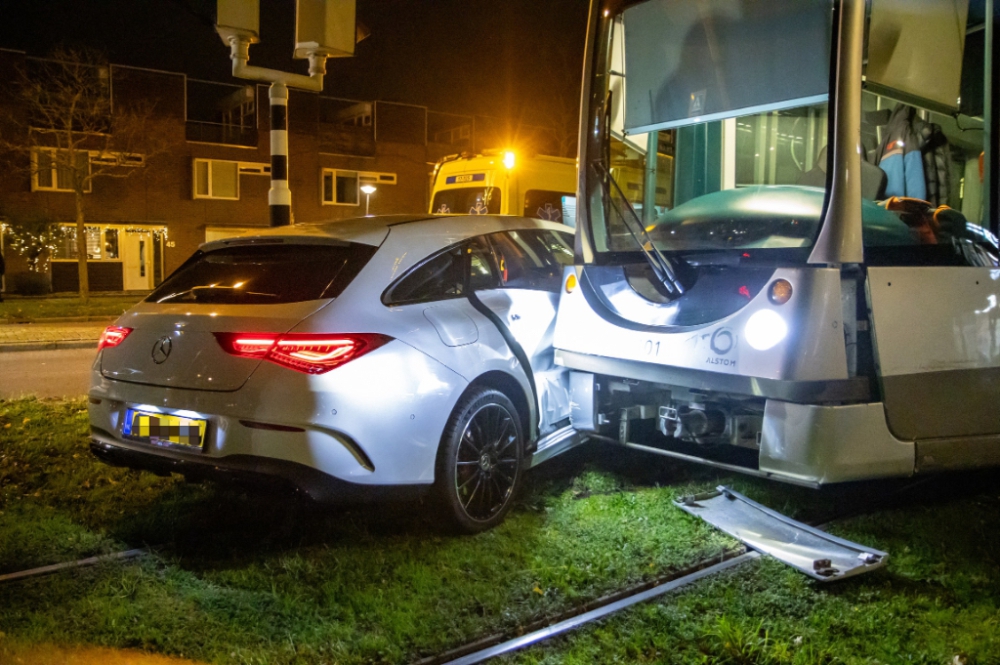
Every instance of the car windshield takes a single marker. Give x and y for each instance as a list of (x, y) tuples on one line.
[(467, 201), (716, 116), (264, 274)]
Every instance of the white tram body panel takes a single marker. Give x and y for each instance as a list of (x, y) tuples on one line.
[(938, 350), (792, 281), (806, 333)]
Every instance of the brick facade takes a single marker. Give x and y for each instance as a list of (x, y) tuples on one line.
[(161, 195)]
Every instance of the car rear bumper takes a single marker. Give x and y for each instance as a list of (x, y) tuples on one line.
[(250, 470), (375, 421)]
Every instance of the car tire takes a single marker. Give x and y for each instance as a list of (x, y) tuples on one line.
[(479, 462)]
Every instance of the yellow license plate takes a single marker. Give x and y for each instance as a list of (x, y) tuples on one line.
[(164, 429)]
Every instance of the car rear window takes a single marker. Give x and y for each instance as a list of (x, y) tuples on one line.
[(266, 274)]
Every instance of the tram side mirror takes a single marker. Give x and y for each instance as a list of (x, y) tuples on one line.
[(326, 27), (915, 47)]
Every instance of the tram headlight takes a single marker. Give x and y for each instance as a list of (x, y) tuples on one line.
[(765, 329)]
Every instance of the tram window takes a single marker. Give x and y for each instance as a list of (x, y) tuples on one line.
[(741, 182), (628, 167), (778, 148), (685, 61), (740, 134), (733, 127), (928, 143)]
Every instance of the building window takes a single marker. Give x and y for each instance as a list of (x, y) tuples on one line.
[(254, 168), (240, 108), (340, 187), (216, 179), (370, 178), (53, 170), (67, 247), (453, 135)]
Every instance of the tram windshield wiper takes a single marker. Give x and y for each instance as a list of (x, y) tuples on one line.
[(660, 264)]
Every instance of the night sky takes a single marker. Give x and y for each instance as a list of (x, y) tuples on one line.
[(509, 58)]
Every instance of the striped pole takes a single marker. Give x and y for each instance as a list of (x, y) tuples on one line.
[(279, 197)]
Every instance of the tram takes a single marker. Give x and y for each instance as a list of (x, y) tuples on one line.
[(805, 283)]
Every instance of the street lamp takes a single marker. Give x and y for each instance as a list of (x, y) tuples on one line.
[(368, 190)]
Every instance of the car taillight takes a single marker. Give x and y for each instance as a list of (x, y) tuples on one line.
[(309, 353), (112, 336)]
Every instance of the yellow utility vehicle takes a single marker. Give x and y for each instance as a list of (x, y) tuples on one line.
[(501, 183)]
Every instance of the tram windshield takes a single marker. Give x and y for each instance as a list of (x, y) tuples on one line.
[(714, 121), (718, 123)]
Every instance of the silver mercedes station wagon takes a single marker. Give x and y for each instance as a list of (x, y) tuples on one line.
[(359, 359)]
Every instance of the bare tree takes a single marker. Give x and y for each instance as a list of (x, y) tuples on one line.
[(65, 129), (557, 75)]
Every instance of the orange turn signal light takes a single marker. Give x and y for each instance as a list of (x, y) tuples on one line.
[(780, 291), (570, 283)]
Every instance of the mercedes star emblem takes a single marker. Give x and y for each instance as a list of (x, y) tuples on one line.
[(161, 350)]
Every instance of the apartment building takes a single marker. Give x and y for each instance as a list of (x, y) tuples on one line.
[(212, 179)]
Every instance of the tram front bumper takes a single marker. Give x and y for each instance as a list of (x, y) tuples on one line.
[(832, 444)]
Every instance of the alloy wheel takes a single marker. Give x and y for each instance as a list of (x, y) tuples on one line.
[(486, 465)]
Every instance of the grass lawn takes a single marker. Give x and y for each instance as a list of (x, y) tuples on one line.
[(937, 601), (268, 579), (43, 308), (265, 578)]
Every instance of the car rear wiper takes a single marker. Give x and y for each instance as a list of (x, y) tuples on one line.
[(661, 265)]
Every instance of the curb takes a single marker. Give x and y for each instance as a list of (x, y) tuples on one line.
[(49, 346), (62, 319)]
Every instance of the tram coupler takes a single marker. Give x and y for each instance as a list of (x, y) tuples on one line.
[(667, 420), (628, 414)]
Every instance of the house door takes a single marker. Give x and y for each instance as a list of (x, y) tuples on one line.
[(137, 261)]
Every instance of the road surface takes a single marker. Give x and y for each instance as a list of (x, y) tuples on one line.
[(64, 373)]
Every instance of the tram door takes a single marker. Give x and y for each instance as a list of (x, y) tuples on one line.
[(934, 302)]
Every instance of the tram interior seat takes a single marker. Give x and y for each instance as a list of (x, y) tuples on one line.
[(873, 179)]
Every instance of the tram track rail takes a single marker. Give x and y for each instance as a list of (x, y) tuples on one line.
[(76, 564), (484, 649), (502, 643), (542, 629), (497, 644)]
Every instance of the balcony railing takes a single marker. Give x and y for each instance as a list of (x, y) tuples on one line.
[(213, 132), (346, 139)]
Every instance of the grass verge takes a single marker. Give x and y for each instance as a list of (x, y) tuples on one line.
[(937, 601), (265, 578), (46, 308)]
